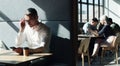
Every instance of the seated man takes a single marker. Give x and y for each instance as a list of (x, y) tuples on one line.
[(90, 27), (115, 27), (34, 32)]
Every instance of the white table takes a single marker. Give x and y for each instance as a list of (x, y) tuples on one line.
[(82, 36), (13, 58)]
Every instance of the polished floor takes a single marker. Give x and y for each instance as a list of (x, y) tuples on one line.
[(109, 60)]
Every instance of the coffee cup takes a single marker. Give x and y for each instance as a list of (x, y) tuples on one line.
[(26, 51)]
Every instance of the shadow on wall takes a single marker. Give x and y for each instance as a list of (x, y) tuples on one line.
[(117, 1), (58, 13), (55, 10), (61, 49), (9, 21)]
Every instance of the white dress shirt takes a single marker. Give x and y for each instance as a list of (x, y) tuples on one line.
[(37, 37)]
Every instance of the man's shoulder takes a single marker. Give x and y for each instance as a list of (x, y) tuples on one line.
[(114, 25), (86, 24), (43, 27)]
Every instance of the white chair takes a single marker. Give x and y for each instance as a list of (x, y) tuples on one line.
[(83, 49), (113, 47)]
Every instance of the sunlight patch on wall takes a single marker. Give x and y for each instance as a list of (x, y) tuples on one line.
[(63, 32)]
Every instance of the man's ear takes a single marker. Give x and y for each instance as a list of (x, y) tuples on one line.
[(36, 17)]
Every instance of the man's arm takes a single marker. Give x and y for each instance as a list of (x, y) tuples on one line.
[(85, 28), (37, 50), (94, 32), (20, 37)]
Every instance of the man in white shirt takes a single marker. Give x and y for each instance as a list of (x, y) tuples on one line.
[(90, 27), (34, 32)]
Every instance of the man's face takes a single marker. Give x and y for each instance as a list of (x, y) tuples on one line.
[(27, 17), (30, 19), (93, 23), (103, 21)]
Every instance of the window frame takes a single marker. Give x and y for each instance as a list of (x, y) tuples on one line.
[(99, 5)]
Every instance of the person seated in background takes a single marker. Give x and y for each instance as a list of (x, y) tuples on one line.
[(100, 25), (115, 27), (35, 33), (105, 32), (90, 27)]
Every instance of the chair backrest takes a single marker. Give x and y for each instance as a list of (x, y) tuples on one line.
[(111, 42), (48, 40), (114, 44), (118, 38), (84, 45)]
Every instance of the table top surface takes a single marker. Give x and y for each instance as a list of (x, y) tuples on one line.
[(11, 57), (85, 35), (82, 36)]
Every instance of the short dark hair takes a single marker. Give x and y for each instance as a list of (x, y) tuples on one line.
[(110, 20), (95, 19), (32, 11)]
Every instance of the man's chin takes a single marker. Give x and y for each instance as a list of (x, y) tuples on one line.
[(31, 25)]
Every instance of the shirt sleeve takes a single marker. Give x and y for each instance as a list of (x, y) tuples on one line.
[(20, 39), (37, 43), (103, 30), (41, 39), (85, 27)]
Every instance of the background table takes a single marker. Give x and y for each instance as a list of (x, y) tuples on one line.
[(92, 41)]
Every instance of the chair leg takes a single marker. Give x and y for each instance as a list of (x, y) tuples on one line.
[(116, 52), (88, 58), (82, 56), (101, 58)]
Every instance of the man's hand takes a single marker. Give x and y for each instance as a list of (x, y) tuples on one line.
[(37, 50), (22, 24), (19, 50), (95, 33)]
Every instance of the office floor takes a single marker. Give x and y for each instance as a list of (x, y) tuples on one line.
[(109, 60)]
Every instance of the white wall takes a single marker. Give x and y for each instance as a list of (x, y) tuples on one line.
[(15, 9), (7, 33), (56, 14), (112, 9)]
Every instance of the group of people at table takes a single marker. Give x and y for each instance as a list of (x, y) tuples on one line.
[(105, 28)]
